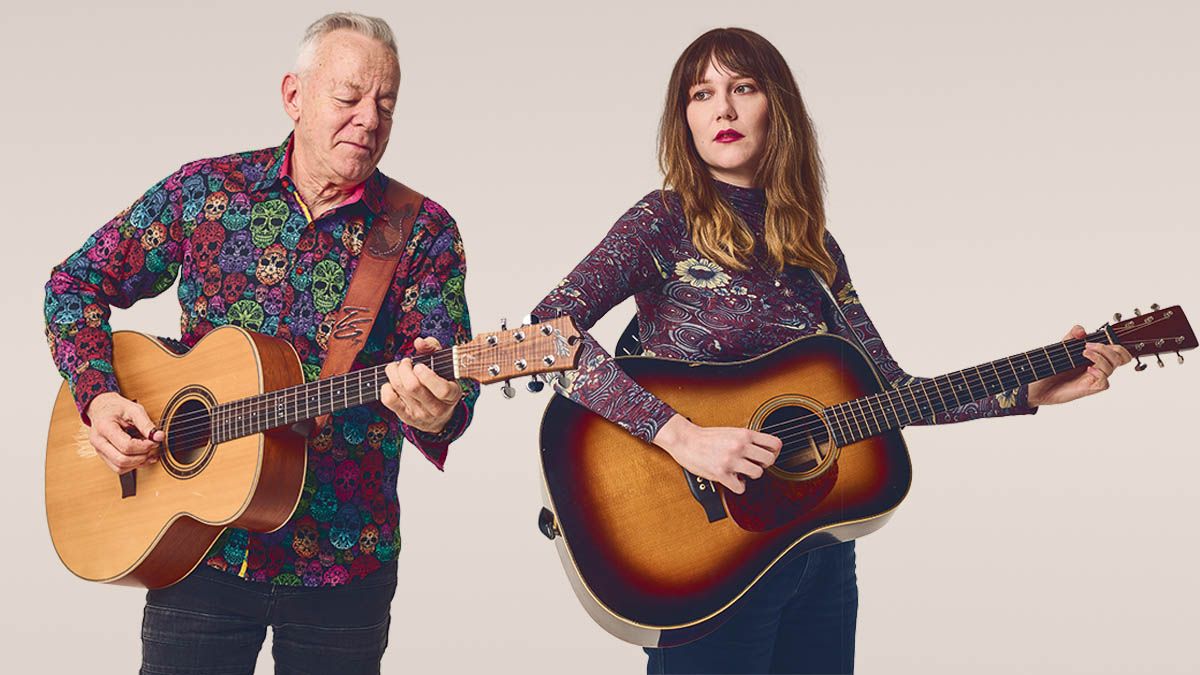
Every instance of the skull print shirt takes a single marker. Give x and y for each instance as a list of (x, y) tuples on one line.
[(236, 235), (693, 309)]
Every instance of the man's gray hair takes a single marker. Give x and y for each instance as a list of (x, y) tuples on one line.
[(370, 26)]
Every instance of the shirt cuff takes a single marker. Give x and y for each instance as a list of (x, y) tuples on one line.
[(87, 386), (435, 446), (1023, 407)]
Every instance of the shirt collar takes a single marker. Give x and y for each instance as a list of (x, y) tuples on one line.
[(277, 172)]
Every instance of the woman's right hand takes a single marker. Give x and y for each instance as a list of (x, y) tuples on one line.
[(721, 454)]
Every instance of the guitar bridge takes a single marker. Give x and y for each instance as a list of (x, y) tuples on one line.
[(128, 484), (705, 492)]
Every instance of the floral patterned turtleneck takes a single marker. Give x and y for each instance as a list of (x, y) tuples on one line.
[(691, 308)]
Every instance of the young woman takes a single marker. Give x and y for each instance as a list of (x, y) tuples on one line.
[(719, 263)]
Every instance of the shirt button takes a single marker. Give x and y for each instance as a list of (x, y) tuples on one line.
[(776, 283)]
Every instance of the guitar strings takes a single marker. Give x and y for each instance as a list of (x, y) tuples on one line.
[(858, 419), (438, 360), (194, 426), (202, 424), (863, 418), (867, 411), (849, 422), (465, 349), (1054, 362), (244, 414), (295, 389), (814, 425), (184, 432)]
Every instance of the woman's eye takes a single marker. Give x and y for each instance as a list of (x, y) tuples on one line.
[(387, 112), (744, 89), (700, 95)]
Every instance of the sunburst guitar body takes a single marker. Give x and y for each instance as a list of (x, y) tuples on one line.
[(659, 557)]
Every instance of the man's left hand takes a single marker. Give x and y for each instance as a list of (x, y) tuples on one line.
[(420, 398)]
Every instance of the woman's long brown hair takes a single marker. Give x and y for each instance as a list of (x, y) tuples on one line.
[(789, 171)]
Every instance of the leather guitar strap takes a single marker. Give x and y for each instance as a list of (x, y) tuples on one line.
[(381, 253)]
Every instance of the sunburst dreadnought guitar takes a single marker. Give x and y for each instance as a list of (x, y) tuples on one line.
[(657, 556), (229, 458)]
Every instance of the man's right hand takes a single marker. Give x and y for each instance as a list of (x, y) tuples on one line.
[(722, 454), (112, 415)]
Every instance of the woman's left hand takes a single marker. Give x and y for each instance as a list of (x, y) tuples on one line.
[(1081, 381)]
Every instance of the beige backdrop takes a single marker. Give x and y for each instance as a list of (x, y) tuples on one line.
[(996, 173)]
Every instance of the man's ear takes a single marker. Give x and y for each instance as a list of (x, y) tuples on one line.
[(290, 91)]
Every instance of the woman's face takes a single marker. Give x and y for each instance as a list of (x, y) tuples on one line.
[(727, 114)]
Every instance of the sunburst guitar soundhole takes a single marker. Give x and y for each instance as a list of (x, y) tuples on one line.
[(188, 425), (807, 446)]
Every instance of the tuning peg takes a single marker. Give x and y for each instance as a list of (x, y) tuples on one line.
[(1160, 363), (508, 390), (1140, 366), (503, 324), (1117, 316), (1137, 312), (534, 386), (531, 319), (1154, 307), (1180, 356)]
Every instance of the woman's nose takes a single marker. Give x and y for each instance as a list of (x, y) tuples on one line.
[(725, 110)]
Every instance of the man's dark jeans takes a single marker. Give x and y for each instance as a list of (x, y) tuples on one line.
[(215, 623)]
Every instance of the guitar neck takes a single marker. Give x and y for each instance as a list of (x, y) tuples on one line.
[(898, 407), (285, 407)]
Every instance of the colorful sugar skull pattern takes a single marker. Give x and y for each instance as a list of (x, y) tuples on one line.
[(691, 308), (231, 229)]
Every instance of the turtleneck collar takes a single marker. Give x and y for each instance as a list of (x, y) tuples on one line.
[(745, 200)]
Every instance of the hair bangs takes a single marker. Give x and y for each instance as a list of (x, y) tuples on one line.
[(789, 169), (728, 51)]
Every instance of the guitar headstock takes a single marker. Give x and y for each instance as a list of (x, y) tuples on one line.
[(534, 348), (1159, 332)]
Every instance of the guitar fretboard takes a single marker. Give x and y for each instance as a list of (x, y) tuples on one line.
[(285, 407), (868, 416)]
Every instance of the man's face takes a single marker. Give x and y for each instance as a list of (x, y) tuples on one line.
[(342, 106)]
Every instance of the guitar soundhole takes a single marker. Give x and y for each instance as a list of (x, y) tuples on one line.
[(806, 447), (188, 426)]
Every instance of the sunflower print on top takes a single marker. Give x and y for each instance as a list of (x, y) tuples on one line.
[(692, 309), (234, 233), (701, 273)]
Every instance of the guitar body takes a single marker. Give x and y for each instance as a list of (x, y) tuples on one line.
[(641, 553), (181, 504), (229, 458)]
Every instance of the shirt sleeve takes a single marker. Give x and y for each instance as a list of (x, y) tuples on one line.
[(1014, 402), (621, 265), (435, 305), (135, 255)]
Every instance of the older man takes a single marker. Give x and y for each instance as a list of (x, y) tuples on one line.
[(270, 240)]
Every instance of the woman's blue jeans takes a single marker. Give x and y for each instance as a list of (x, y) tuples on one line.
[(799, 619)]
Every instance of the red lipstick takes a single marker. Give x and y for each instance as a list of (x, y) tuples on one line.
[(728, 136)]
